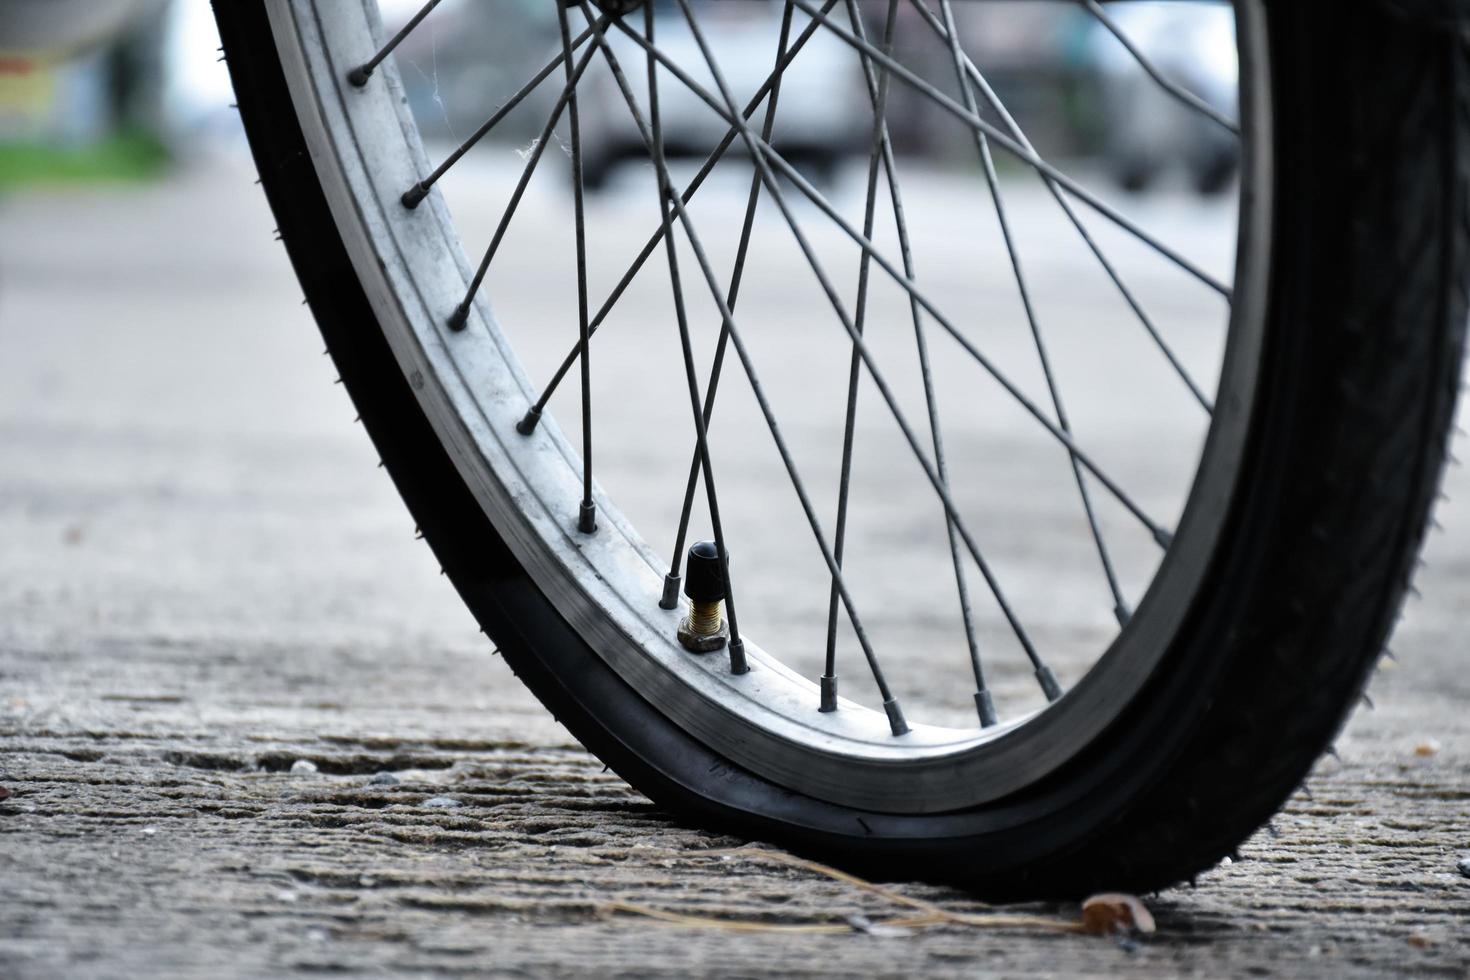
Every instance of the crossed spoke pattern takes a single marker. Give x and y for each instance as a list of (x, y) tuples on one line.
[(772, 182)]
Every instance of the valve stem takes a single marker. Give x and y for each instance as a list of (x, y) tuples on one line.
[(704, 629)]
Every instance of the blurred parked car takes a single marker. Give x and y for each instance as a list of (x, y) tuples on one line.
[(1147, 131), (823, 111)]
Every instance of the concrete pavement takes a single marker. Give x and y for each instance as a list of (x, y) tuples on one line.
[(205, 582)]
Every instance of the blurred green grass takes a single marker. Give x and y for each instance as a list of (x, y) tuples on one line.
[(125, 156)]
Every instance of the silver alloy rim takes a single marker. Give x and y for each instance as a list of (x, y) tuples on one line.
[(366, 150)]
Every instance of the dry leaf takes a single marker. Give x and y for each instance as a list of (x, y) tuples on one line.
[(1420, 940), (1429, 746), (1115, 912)]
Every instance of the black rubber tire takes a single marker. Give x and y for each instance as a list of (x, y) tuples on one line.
[(1358, 386)]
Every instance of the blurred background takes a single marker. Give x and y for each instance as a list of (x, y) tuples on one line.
[(175, 460), (123, 88)]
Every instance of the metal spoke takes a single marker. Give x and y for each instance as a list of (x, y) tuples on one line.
[(764, 153), (359, 76), (736, 644), (527, 425), (854, 369), (896, 721), (1011, 146), (414, 195), (877, 95), (461, 313), (1120, 607), (587, 512), (671, 581), (779, 199), (1176, 90), (1019, 135)]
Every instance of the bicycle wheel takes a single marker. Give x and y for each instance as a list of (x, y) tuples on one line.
[(1238, 602)]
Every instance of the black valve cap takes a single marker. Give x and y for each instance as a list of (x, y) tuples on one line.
[(702, 579)]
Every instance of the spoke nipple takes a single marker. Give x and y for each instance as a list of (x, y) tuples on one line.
[(359, 76), (1049, 685), (895, 717), (414, 196), (528, 422), (704, 629), (1123, 613), (986, 707), (670, 598), (737, 657), (829, 693), (1164, 538), (587, 517), (460, 318)]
